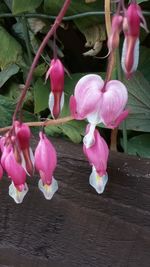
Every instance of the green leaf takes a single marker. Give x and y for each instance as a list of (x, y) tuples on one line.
[(10, 49), (41, 95), (7, 108), (40, 70), (25, 5), (54, 6), (53, 130), (71, 132), (141, 1), (140, 145), (144, 63), (138, 103), (7, 73), (76, 7)]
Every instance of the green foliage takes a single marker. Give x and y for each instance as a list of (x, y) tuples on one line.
[(7, 107), (10, 49), (139, 103), (7, 73), (140, 145), (25, 5), (41, 95)]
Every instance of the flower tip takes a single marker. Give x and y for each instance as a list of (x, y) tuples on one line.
[(98, 182), (16, 194), (48, 190)]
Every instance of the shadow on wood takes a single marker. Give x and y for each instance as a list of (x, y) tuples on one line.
[(78, 227)]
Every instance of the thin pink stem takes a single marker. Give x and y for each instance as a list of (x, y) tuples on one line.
[(37, 56)]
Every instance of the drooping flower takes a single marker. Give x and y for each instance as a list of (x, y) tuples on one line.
[(86, 102), (18, 187), (56, 97), (131, 25), (97, 156), (113, 102), (45, 163), (23, 135)]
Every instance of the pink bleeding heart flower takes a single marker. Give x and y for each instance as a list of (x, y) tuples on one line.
[(56, 97), (114, 100), (23, 135), (116, 28), (18, 187), (97, 156), (131, 26), (86, 102), (45, 163)]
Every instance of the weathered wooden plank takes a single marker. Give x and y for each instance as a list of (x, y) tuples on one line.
[(78, 227)]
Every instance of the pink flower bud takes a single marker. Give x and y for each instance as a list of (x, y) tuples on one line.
[(45, 163), (97, 156), (15, 170), (56, 98), (23, 135), (18, 187), (131, 27)]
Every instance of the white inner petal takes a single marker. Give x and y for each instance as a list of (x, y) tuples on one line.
[(62, 101), (89, 139), (51, 103), (48, 190), (17, 195), (136, 56), (124, 48), (98, 182), (94, 118)]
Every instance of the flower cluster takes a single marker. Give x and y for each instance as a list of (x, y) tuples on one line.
[(129, 21), (98, 102), (18, 161), (94, 99)]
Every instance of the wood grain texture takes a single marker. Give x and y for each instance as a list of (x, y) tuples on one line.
[(78, 227)]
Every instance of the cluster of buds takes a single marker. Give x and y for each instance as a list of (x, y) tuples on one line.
[(98, 102), (18, 161), (129, 21)]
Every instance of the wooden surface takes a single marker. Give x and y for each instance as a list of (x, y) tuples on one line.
[(78, 227)]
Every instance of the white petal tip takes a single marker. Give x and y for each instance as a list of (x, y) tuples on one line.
[(51, 103), (17, 195), (48, 190), (88, 142), (98, 182), (89, 138)]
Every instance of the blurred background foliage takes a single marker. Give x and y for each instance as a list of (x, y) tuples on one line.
[(23, 24)]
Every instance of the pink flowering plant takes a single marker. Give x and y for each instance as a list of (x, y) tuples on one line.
[(95, 101)]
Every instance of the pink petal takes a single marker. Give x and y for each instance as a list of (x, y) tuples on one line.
[(56, 75), (121, 117), (45, 159), (15, 170), (98, 153), (114, 100), (23, 134), (87, 95)]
